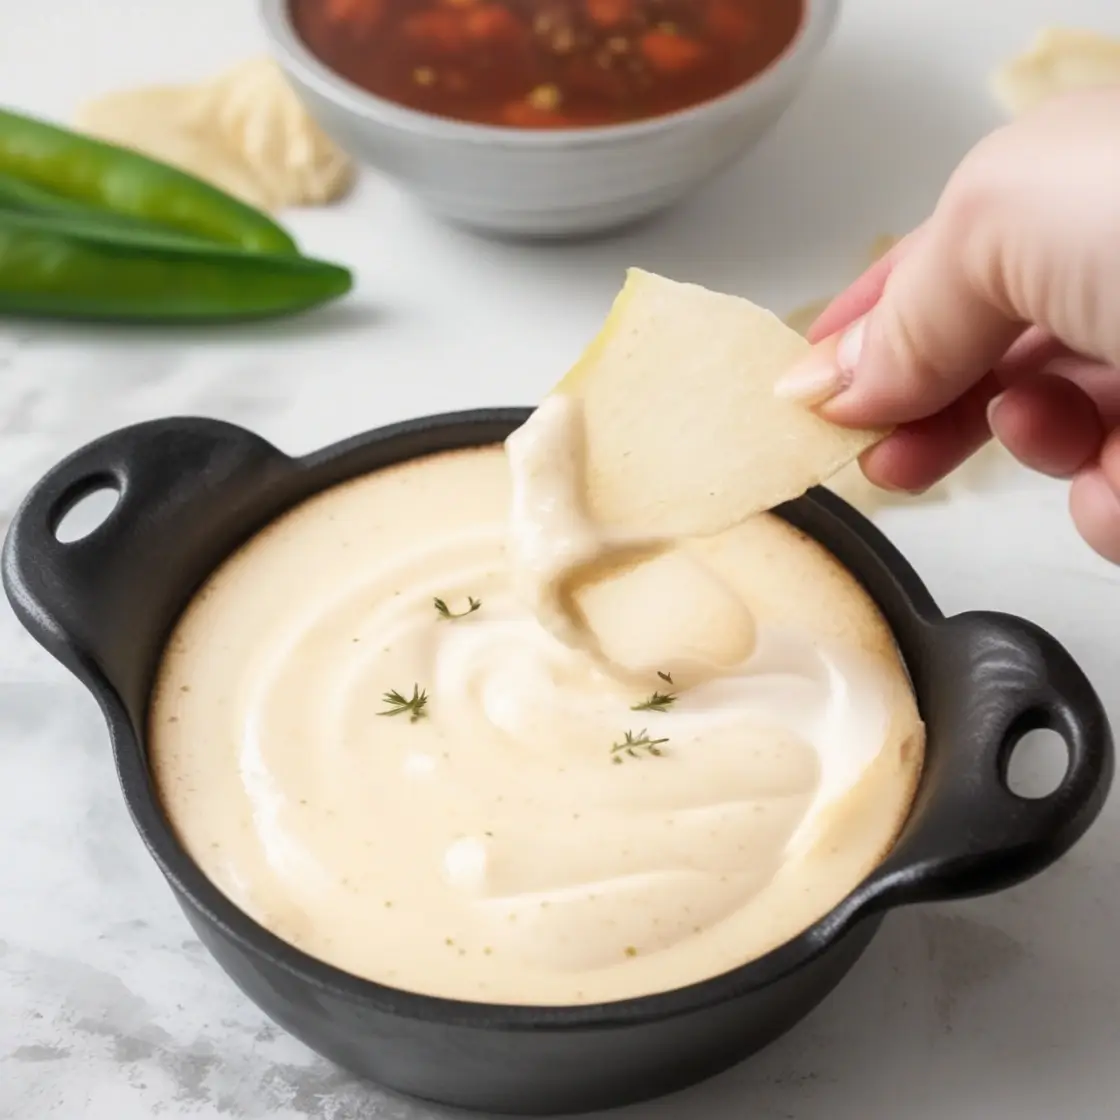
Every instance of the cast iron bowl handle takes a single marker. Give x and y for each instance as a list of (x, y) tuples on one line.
[(186, 486), (986, 680)]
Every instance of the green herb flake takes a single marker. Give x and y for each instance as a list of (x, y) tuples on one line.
[(444, 611), (397, 703), (636, 746), (658, 702)]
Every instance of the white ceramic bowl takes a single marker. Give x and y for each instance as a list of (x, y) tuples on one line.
[(548, 183)]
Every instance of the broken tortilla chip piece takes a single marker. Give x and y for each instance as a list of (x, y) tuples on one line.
[(155, 122), (245, 132), (1059, 61), (683, 433)]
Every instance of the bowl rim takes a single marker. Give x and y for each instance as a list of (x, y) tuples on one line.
[(337, 463), (818, 21)]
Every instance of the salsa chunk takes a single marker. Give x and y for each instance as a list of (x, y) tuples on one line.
[(548, 63)]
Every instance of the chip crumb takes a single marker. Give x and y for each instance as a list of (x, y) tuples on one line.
[(1059, 61)]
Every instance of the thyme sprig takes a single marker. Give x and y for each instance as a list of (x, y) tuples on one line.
[(635, 746), (446, 612), (397, 703), (658, 702)]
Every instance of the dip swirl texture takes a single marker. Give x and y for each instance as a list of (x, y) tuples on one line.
[(506, 845)]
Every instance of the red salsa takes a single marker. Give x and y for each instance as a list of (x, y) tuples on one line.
[(547, 63)]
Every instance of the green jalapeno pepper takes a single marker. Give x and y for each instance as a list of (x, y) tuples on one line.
[(121, 183), (15, 194), (68, 268)]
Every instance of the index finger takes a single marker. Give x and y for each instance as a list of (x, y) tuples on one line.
[(863, 293)]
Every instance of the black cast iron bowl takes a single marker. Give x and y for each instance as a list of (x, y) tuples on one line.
[(192, 490)]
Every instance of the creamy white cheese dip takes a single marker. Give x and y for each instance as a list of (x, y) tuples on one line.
[(507, 845)]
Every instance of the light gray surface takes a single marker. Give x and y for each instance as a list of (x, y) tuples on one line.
[(1006, 1007)]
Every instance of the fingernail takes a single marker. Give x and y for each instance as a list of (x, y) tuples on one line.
[(993, 408), (891, 488), (851, 345), (826, 372)]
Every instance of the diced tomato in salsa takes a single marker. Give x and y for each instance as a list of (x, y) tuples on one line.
[(609, 13), (494, 23), (671, 53), (548, 63), (731, 21), (362, 14), (444, 32)]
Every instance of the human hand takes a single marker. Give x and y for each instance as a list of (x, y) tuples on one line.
[(1000, 314)]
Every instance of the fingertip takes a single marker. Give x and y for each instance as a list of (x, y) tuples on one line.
[(816, 378), (932, 335), (851, 304), (1095, 509), (861, 295), (1048, 424), (917, 455), (1109, 460), (1030, 353)]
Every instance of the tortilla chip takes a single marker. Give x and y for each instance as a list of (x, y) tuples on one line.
[(258, 115), (850, 482), (1059, 61), (245, 131), (155, 122), (683, 433)]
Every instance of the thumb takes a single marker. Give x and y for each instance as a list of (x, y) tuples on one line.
[(933, 334)]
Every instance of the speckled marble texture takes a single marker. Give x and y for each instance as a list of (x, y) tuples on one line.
[(1007, 1007)]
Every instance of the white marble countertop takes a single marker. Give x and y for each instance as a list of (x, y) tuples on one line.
[(109, 1009)]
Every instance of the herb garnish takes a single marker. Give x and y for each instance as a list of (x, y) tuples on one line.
[(658, 702), (666, 677), (633, 745), (416, 705), (446, 612)]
